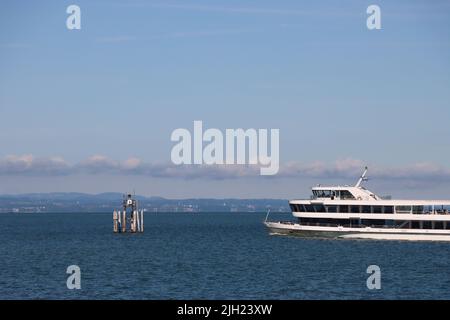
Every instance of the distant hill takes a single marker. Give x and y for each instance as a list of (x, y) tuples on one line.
[(107, 202)]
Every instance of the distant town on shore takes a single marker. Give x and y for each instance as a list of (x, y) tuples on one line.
[(107, 202)]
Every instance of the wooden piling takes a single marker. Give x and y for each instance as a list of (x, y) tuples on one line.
[(138, 220), (119, 220), (124, 221), (115, 222), (133, 221)]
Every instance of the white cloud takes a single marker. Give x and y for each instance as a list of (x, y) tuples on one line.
[(132, 163), (97, 164), (28, 164)]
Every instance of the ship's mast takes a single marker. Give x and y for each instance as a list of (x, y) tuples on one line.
[(362, 178)]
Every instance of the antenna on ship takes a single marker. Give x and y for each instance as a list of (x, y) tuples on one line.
[(362, 178)]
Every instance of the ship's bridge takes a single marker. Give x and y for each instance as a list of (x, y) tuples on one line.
[(343, 193), (356, 192)]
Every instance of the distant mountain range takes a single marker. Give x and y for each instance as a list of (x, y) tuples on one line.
[(107, 202)]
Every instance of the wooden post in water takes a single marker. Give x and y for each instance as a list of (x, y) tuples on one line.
[(133, 221), (142, 220), (124, 221), (138, 220), (115, 222), (119, 220)]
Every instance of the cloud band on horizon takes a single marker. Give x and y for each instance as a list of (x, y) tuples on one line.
[(29, 165)]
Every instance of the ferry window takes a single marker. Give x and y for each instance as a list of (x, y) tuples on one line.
[(427, 224), (403, 209), (302, 208), (366, 209), (388, 209), (309, 208), (297, 208), (438, 225), (343, 209), (377, 209), (355, 209), (292, 207), (417, 209), (319, 208), (415, 225), (332, 209), (403, 224), (346, 195), (374, 222), (323, 194)]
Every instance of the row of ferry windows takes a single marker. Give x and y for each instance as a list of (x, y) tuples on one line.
[(403, 224), (341, 208)]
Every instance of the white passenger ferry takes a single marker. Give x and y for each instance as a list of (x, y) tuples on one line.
[(355, 212)]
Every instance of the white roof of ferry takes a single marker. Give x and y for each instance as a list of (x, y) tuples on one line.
[(376, 202), (366, 197), (325, 188)]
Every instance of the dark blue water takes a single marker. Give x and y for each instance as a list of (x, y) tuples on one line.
[(206, 256)]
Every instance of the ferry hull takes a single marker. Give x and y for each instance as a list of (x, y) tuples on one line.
[(357, 233)]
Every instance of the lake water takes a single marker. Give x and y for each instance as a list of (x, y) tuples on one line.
[(206, 256)]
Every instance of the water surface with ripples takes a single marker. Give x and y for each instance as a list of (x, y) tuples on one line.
[(206, 256)]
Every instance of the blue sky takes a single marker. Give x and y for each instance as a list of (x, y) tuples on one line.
[(341, 95)]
